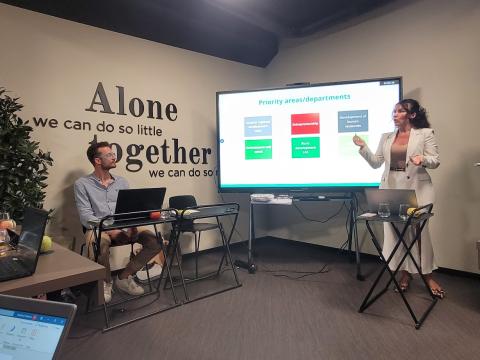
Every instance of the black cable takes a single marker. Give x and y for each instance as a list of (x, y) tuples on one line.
[(347, 219), (362, 210), (287, 270), (315, 220), (324, 269)]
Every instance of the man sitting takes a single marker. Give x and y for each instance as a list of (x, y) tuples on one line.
[(96, 197)]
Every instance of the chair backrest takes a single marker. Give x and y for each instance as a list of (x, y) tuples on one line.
[(182, 201)]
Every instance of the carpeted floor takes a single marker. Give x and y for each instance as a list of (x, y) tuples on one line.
[(301, 304)]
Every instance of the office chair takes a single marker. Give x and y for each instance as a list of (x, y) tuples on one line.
[(182, 202)]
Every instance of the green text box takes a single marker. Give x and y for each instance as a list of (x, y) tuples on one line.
[(346, 147), (258, 149), (306, 147)]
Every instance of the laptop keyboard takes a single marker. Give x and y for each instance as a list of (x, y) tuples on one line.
[(10, 268)]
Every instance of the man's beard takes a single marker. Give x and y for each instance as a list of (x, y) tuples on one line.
[(108, 167)]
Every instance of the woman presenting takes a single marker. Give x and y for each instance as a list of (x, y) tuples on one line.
[(407, 153)]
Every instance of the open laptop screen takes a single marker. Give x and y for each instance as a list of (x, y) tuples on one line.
[(26, 335), (30, 239), (393, 197), (33, 227), (33, 329), (144, 199)]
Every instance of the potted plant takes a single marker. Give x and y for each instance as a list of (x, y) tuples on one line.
[(23, 165)]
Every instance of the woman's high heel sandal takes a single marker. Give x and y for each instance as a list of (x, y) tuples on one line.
[(404, 283), (438, 293)]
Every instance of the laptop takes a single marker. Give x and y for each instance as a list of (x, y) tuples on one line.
[(20, 259), (135, 200), (394, 197), (33, 329)]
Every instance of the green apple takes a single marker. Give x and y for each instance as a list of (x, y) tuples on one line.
[(46, 244)]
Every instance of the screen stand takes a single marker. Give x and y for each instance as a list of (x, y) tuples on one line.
[(353, 234), (351, 220)]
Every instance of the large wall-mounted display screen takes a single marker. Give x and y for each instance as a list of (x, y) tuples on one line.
[(299, 138)]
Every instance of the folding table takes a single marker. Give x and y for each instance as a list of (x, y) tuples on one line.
[(416, 221)]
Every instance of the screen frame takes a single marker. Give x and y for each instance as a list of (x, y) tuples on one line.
[(47, 308), (290, 189)]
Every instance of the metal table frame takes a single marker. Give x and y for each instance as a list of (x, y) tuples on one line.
[(202, 212), (352, 234), (418, 219), (129, 220)]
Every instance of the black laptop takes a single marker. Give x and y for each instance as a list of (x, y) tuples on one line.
[(135, 200), (393, 197), (33, 329), (20, 259)]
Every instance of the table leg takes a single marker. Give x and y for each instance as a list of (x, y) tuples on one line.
[(401, 242)]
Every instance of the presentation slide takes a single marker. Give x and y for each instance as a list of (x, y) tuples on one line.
[(301, 137)]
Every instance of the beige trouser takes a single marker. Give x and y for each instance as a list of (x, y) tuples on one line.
[(422, 251), (146, 238)]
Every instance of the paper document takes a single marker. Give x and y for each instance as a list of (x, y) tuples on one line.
[(368, 215)]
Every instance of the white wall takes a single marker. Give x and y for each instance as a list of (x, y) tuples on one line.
[(55, 65), (434, 45)]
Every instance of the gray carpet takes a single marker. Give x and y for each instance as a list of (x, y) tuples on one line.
[(282, 312)]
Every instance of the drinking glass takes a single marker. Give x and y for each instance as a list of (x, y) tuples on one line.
[(384, 210), (403, 211), (3, 229)]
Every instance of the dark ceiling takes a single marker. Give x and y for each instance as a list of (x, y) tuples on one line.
[(247, 31)]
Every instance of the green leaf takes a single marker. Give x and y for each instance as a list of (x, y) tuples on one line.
[(23, 165)]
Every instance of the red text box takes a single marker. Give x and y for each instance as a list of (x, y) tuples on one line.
[(305, 124)]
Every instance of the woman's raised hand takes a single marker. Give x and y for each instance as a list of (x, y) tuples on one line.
[(357, 140)]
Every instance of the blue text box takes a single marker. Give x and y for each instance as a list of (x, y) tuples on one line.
[(258, 126), (352, 121)]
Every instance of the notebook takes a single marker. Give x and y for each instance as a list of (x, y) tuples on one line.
[(134, 200), (21, 259), (394, 197), (33, 329)]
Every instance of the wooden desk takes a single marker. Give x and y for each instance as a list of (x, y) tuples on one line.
[(59, 269)]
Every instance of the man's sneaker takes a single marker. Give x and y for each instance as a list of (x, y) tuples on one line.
[(129, 286), (107, 291), (154, 270)]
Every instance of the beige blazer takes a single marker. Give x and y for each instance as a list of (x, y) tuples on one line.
[(421, 142)]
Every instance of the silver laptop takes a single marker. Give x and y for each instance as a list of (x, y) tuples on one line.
[(33, 329), (393, 197)]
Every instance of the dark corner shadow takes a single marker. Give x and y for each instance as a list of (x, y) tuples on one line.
[(66, 218)]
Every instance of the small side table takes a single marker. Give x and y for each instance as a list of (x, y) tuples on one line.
[(418, 219)]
